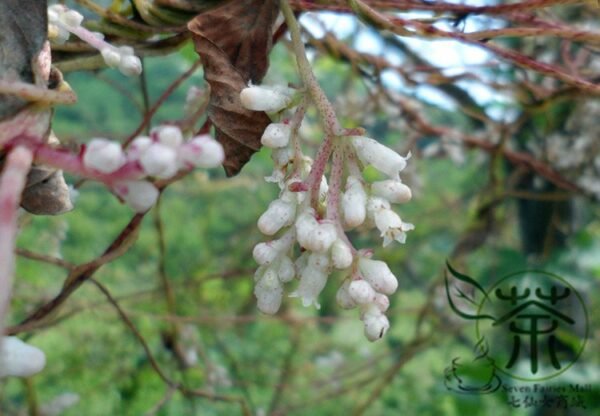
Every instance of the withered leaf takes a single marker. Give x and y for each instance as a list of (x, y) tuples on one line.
[(46, 192), (234, 41)]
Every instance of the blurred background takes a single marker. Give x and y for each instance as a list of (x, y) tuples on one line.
[(186, 284)]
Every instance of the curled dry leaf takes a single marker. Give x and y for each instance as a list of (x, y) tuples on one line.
[(233, 42)]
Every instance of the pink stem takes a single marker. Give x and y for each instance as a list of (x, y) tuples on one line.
[(12, 183), (72, 163)]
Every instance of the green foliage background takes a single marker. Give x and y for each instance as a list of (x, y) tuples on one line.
[(209, 224)]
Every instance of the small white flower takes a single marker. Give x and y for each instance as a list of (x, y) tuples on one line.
[(202, 152), (391, 226), (169, 136), (276, 135), (361, 292), (379, 275), (376, 327), (266, 98), (279, 214), (354, 202), (384, 159), (159, 160), (139, 195), (268, 292), (341, 255), (103, 155), (19, 359), (394, 191)]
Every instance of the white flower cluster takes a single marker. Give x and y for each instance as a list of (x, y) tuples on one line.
[(19, 359), (161, 155), (575, 151), (61, 19), (318, 223), (64, 21)]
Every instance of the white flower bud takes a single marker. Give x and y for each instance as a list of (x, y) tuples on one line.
[(269, 292), (103, 155), (384, 159), (394, 191), (354, 202), (323, 189), (361, 292), (265, 253), (341, 254), (19, 359), (138, 146), (301, 263), (318, 261), (54, 13), (321, 237), (343, 298), (202, 152), (266, 98), (279, 214), (139, 195), (376, 327), (111, 56), (72, 18), (286, 271), (379, 275), (276, 135), (130, 65), (382, 302), (282, 156), (305, 225), (169, 136), (312, 282), (159, 160), (126, 50)]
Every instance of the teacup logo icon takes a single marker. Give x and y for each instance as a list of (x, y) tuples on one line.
[(473, 376), (535, 322)]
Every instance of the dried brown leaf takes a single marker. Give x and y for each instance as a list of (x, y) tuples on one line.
[(233, 42)]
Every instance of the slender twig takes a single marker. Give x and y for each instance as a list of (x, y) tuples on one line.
[(326, 112), (79, 275), (163, 376), (44, 258)]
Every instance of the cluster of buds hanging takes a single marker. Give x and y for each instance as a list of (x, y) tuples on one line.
[(316, 213), (161, 155), (63, 21)]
